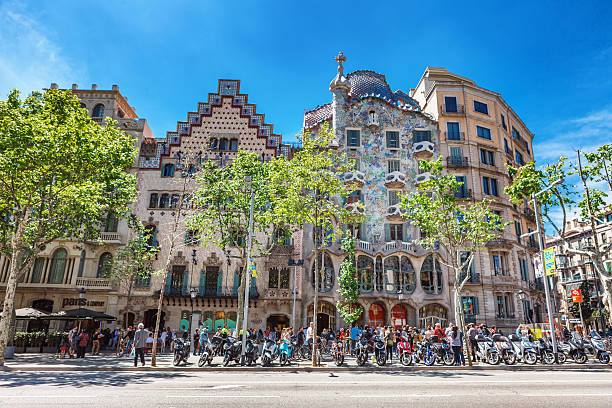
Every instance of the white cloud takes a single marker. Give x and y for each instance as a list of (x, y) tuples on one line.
[(29, 58)]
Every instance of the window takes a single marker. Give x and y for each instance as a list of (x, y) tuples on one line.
[(506, 147), (58, 265), (422, 136), (111, 223), (394, 197), (456, 156), (503, 120), (499, 221), (501, 311), (450, 104), (142, 281), (39, 266), (98, 111), (517, 230), (174, 201), (464, 255), (494, 191), (214, 144), (452, 131), (168, 170), (431, 276), (483, 133), (353, 138), (392, 140), (463, 192), (278, 279), (481, 107), (470, 305), (485, 186), (524, 270), (223, 144), (104, 265), (519, 158), (393, 165), (487, 157), (151, 233), (499, 264), (273, 278), (396, 232), (355, 230), (192, 237), (177, 278), (326, 278), (233, 145), (516, 134), (164, 201), (153, 200), (354, 197)]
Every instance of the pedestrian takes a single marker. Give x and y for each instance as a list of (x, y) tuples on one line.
[(439, 332), (95, 343), (389, 340), (72, 339), (196, 341), (140, 342), (82, 344), (472, 333), (455, 338), (129, 335), (64, 346), (162, 340), (203, 340), (309, 332), (355, 333)]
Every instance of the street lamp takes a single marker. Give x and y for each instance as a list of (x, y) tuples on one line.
[(295, 264), (82, 293), (542, 246)]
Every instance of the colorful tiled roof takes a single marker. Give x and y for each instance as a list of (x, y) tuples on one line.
[(364, 84)]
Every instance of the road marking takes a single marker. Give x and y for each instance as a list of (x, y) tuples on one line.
[(222, 396), (401, 396)]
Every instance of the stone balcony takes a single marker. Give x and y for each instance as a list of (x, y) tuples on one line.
[(423, 149), (94, 283)]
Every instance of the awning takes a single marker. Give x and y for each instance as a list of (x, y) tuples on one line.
[(80, 314), (29, 313)]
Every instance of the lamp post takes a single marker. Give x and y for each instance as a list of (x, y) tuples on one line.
[(82, 293), (542, 246), (247, 272), (295, 264), (522, 296)]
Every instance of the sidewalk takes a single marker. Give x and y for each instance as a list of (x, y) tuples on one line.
[(109, 362)]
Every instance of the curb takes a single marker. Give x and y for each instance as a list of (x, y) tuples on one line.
[(375, 369)]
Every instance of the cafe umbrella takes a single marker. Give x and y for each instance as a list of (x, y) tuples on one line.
[(80, 314)]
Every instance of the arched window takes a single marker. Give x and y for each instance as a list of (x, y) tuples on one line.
[(168, 170), (223, 144), (379, 274), (164, 201), (153, 201), (104, 265), (214, 144), (393, 282), (432, 314), (408, 276), (431, 276), (365, 273), (98, 111), (326, 279), (58, 266), (233, 145), (151, 232)]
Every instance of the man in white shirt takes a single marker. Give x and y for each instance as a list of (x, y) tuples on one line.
[(309, 332)]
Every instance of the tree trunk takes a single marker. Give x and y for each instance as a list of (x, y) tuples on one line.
[(7, 321), (160, 302), (315, 304)]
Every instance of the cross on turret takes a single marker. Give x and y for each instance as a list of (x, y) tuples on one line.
[(340, 58)]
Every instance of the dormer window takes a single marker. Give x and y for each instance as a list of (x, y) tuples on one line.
[(372, 118)]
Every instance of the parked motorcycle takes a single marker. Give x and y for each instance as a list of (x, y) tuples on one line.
[(269, 353), (442, 351), (599, 348), (337, 350), (207, 355), (380, 350), (505, 349), (363, 349), (424, 352), (523, 349), (218, 341), (573, 349), (486, 350), (544, 351), (404, 351), (181, 351)]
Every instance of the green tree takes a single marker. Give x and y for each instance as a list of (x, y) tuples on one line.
[(585, 305), (133, 261), (348, 284), (447, 222), (564, 195), (223, 205), (61, 174), (313, 196)]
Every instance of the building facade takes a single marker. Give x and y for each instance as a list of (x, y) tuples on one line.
[(574, 270), (480, 134)]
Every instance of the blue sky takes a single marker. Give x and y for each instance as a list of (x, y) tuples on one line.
[(551, 61)]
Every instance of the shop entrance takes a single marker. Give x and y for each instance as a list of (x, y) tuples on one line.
[(149, 319), (279, 321)]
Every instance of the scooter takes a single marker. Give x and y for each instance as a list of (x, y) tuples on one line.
[(486, 350), (505, 348), (207, 355), (181, 351), (544, 351), (363, 348), (599, 348), (286, 351), (574, 349), (523, 349), (425, 353), (269, 353), (442, 351), (380, 351), (404, 351)]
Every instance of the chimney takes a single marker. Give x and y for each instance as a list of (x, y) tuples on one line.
[(116, 88), (53, 85), (94, 87), (75, 87)]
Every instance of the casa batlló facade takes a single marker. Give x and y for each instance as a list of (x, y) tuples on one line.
[(384, 131)]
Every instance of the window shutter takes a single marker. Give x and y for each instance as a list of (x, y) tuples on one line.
[(405, 227), (219, 282), (202, 282), (476, 306), (387, 233), (168, 281), (236, 282), (186, 282)]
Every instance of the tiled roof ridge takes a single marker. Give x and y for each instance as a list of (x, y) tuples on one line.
[(318, 107)]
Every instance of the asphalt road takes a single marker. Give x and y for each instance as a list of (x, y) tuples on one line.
[(579, 388)]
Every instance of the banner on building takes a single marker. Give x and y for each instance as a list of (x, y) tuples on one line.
[(576, 296), (253, 268), (550, 266), (537, 266)]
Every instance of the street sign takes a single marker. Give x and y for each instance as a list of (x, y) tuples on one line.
[(550, 266), (537, 266), (576, 296)]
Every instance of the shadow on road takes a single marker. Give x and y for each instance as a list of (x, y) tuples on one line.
[(82, 379)]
